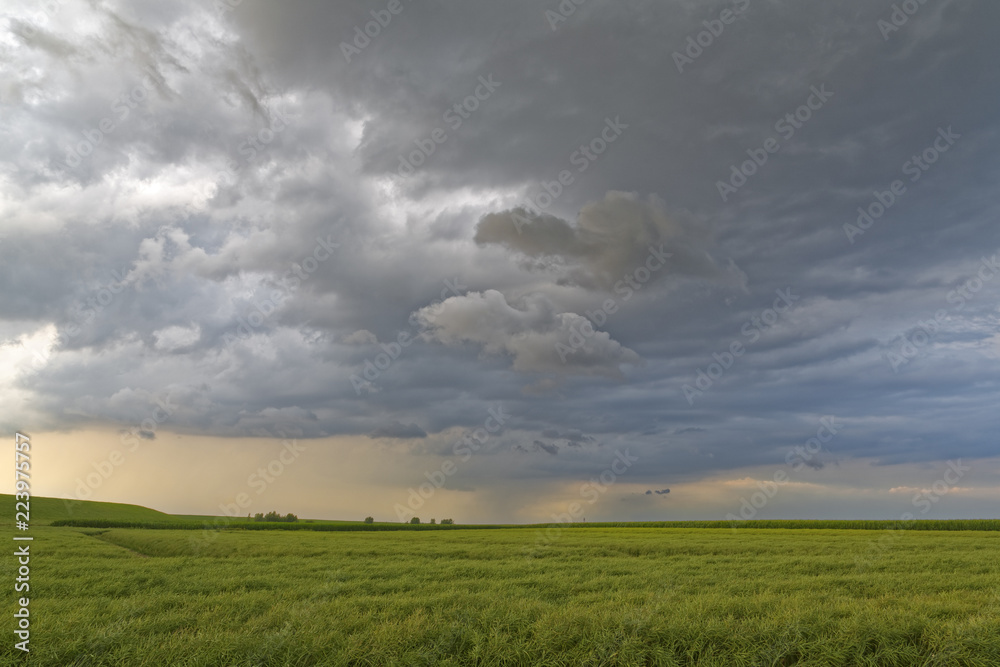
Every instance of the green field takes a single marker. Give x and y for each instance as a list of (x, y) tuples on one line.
[(532, 596), (46, 510)]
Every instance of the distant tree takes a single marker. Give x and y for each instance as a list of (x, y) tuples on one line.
[(415, 520), (259, 516), (447, 522), (275, 516), (369, 519), (432, 521)]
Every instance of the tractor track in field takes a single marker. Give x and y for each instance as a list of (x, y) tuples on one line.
[(98, 535)]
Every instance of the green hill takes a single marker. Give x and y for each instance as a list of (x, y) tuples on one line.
[(46, 510)]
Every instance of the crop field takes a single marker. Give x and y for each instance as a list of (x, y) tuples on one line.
[(529, 596)]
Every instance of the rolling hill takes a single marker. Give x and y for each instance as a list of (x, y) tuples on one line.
[(46, 510)]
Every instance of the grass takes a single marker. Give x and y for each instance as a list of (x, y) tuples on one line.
[(241, 523), (46, 510), (539, 596)]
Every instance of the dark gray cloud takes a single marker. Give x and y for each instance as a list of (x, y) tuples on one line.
[(546, 447), (611, 241), (572, 437), (205, 207), (396, 429)]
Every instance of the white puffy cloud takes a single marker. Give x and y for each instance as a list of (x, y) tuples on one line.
[(360, 337), (174, 338), (536, 337)]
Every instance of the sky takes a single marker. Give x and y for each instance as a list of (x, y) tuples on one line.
[(504, 262)]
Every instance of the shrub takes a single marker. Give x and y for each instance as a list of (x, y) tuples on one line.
[(369, 519), (432, 521), (274, 516), (415, 520)]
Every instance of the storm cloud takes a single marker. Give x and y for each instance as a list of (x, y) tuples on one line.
[(202, 207)]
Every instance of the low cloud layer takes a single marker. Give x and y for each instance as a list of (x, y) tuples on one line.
[(397, 429)]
